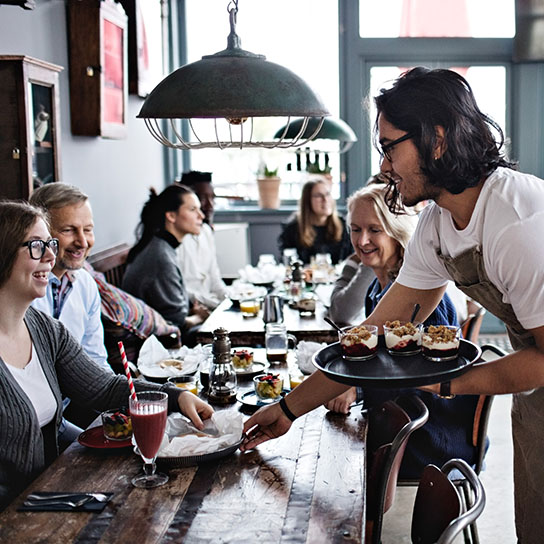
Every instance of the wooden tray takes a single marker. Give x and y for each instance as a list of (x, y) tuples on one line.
[(388, 371)]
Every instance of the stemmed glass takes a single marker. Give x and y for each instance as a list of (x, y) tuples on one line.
[(148, 411)]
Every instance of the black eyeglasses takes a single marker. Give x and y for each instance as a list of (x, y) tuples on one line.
[(386, 148), (36, 248)]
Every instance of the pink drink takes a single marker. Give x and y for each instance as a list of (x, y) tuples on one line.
[(148, 424)]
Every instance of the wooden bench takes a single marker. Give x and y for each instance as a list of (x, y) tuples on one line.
[(111, 262)]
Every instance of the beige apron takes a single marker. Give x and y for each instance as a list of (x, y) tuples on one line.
[(467, 270)]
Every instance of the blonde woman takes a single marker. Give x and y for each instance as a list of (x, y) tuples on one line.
[(316, 227)]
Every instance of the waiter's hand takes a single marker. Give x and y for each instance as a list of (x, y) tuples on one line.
[(269, 422), (194, 408), (342, 403)]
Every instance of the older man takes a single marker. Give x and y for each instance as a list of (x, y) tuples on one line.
[(72, 295)]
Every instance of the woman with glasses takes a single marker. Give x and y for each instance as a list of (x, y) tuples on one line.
[(40, 361), (316, 227)]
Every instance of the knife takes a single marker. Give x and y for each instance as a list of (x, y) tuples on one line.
[(100, 497)]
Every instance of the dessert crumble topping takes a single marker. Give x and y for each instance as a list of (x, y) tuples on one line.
[(359, 332), (441, 334), (401, 330)]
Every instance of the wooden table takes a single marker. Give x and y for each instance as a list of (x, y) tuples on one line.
[(249, 331), (307, 486)]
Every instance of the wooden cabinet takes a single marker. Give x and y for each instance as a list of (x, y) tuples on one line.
[(97, 38), (29, 124)]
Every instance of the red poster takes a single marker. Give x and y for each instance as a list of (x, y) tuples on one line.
[(113, 103)]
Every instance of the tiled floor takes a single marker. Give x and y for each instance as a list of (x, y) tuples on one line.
[(496, 524)]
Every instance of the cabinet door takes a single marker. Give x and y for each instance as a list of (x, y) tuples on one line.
[(29, 118)]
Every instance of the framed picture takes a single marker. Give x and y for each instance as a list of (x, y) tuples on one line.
[(98, 68), (145, 44)]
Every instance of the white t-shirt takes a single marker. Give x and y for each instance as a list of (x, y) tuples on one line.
[(33, 382), (197, 260), (508, 224)]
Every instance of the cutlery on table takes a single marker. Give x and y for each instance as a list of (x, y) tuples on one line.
[(100, 497), (59, 502)]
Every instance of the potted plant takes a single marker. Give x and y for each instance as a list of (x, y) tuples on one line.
[(268, 183), (317, 170)]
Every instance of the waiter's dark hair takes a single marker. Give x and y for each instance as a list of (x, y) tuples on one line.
[(152, 218), (421, 99)]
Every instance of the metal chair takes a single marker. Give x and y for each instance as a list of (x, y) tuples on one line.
[(472, 324), (439, 514), (389, 428)]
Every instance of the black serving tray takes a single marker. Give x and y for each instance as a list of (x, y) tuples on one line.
[(385, 371)]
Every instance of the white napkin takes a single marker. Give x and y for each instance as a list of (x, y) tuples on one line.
[(265, 274), (304, 353), (153, 352), (229, 423)]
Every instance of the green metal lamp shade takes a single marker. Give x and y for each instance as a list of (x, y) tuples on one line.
[(331, 129), (232, 84)]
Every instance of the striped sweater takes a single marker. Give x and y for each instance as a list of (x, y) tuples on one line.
[(70, 372)]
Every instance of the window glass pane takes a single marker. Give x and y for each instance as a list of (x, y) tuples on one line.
[(488, 84), (301, 36), (437, 18)]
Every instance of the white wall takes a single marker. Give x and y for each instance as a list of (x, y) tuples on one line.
[(116, 174)]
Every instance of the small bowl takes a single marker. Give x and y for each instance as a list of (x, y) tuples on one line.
[(116, 425), (403, 338), (441, 342), (185, 382), (268, 387), (359, 343)]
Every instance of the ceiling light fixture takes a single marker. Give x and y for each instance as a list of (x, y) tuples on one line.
[(231, 88)]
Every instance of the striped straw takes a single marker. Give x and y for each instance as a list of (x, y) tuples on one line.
[(127, 370)]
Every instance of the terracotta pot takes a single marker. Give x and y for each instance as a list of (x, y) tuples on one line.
[(269, 192)]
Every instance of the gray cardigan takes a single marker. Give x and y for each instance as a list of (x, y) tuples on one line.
[(348, 295), (70, 372), (155, 277)]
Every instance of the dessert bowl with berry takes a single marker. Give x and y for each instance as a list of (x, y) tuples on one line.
[(268, 387), (117, 424), (441, 342), (359, 343), (242, 359), (402, 338)]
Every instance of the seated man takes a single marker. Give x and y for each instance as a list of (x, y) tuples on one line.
[(72, 295), (196, 254)]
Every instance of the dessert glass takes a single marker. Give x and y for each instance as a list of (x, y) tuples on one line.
[(268, 387), (402, 338), (359, 343), (441, 342), (116, 425)]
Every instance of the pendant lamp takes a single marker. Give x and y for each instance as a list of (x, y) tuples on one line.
[(230, 89)]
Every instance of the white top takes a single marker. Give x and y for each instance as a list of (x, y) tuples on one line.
[(33, 382), (507, 223), (197, 260)]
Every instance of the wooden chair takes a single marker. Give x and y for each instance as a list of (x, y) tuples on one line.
[(439, 514), (389, 428), (111, 262), (470, 327)]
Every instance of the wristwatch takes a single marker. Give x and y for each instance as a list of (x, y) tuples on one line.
[(445, 391)]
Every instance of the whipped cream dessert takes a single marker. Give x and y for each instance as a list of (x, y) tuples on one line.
[(402, 338), (359, 342), (441, 342)]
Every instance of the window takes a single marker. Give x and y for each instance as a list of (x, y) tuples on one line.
[(436, 18), (302, 36)]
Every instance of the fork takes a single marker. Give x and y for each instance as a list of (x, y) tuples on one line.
[(100, 497), (72, 504)]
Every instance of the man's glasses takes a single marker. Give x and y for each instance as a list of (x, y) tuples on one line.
[(385, 150), (36, 248)]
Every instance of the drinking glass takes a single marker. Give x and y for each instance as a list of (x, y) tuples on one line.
[(148, 412)]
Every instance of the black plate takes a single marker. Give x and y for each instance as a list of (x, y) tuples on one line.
[(386, 371), (192, 460)]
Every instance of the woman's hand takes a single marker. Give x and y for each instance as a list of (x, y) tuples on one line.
[(342, 403), (194, 408), (269, 422)]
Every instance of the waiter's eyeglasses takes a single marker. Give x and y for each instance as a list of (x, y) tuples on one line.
[(36, 248), (385, 150)]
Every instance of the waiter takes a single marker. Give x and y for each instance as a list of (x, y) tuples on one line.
[(483, 230)]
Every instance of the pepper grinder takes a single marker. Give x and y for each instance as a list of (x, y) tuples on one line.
[(223, 384)]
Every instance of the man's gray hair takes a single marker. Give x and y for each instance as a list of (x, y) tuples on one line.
[(57, 195)]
